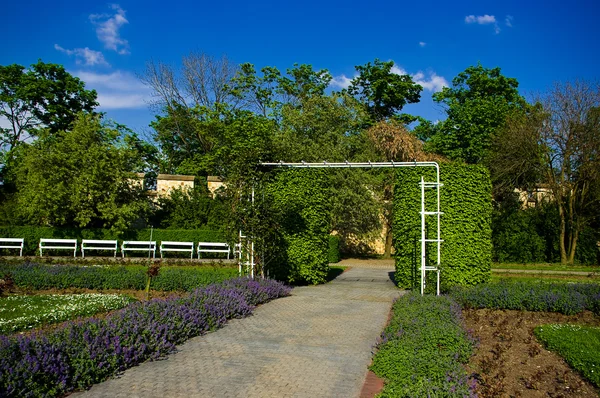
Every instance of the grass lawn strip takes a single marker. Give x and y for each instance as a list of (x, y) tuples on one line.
[(25, 312), (578, 345), (546, 267)]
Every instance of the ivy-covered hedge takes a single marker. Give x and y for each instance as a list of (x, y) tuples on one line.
[(39, 277), (466, 224), (300, 212), (334, 249), (32, 235)]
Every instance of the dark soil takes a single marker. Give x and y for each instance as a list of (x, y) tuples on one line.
[(510, 362)]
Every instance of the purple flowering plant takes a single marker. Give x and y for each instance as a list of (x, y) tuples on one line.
[(81, 353)]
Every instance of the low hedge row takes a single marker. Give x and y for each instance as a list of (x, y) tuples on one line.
[(38, 276), (564, 298), (82, 353), (334, 249), (422, 351), (32, 235)]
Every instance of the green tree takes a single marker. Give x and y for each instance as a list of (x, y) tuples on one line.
[(476, 105), (80, 178), (45, 96), (382, 91), (559, 144)]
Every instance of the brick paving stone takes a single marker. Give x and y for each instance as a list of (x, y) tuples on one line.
[(315, 343)]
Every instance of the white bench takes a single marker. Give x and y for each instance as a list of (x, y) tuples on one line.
[(58, 244), (92, 244), (177, 247), (213, 247), (12, 243), (140, 246)]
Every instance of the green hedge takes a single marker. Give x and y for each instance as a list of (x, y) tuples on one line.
[(465, 229), (300, 212), (32, 235), (334, 249), (40, 277)]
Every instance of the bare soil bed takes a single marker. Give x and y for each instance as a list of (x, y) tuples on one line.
[(510, 362)]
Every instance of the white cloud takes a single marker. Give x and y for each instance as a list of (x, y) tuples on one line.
[(116, 90), (508, 21), (483, 20), (84, 55), (422, 44), (430, 81), (340, 81), (107, 29)]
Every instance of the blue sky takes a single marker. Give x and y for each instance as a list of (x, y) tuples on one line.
[(107, 44)]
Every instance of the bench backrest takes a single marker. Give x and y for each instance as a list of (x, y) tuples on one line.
[(98, 242), (186, 244), (213, 244), (138, 244), (61, 241)]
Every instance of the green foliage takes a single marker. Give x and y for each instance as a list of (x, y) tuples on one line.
[(578, 345), (421, 351), (334, 249), (79, 178), (477, 105), (300, 209), (192, 209), (465, 224), (187, 278), (566, 298), (32, 235), (532, 235), (45, 96), (382, 91)]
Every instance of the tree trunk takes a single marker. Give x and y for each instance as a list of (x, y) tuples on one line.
[(388, 241), (562, 236), (573, 245)]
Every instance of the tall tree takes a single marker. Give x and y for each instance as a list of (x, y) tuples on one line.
[(476, 105), (383, 91), (560, 143), (44, 96), (80, 178)]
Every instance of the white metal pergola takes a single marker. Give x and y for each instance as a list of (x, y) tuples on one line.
[(424, 212)]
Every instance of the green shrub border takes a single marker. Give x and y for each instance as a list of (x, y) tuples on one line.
[(334, 249), (466, 224)]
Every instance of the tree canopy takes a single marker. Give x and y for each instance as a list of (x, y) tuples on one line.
[(45, 97)]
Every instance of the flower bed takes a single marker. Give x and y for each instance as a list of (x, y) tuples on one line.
[(24, 312), (38, 276), (89, 351), (422, 351), (565, 298)]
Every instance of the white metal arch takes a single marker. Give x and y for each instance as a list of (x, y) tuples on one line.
[(424, 213)]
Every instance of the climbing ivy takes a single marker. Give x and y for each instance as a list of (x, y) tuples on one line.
[(465, 225), (300, 210)]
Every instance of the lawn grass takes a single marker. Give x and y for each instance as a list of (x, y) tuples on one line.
[(19, 313), (547, 267), (578, 345)]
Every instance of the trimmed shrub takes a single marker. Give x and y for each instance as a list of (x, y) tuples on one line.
[(82, 353), (32, 235), (565, 298), (300, 211), (38, 277), (465, 224), (334, 249), (422, 350)]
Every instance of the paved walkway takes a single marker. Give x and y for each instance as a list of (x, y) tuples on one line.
[(316, 343)]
